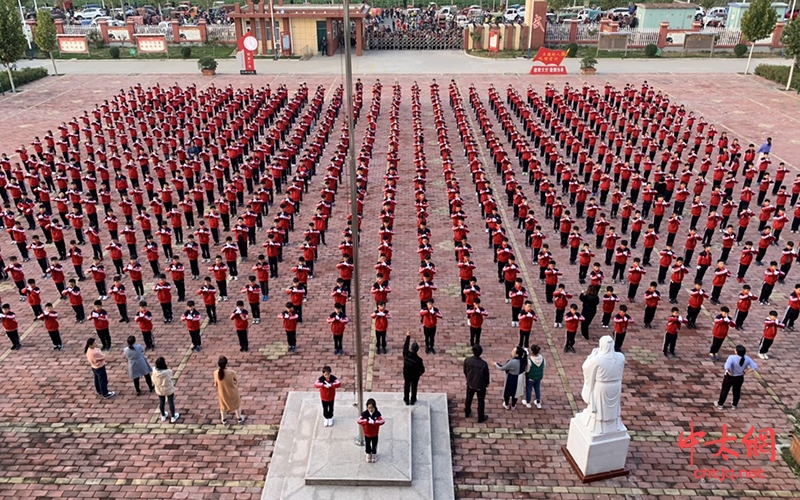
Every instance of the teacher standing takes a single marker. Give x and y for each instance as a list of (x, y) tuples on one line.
[(590, 302), (736, 367)]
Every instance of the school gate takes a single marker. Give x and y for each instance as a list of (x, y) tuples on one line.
[(441, 39)]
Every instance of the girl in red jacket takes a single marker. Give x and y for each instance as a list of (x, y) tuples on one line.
[(327, 385), (371, 420)]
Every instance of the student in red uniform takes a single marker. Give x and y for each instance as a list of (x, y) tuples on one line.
[(34, 295), (10, 326), (338, 321), (561, 298), (609, 301), (192, 318), (50, 318), (696, 297), (475, 317), (220, 272), (164, 291), (253, 292), (261, 267), (572, 321), (209, 294), (98, 272), (525, 321), (73, 292), (651, 299), (674, 322), (297, 295), (621, 322), (327, 385), (289, 318), (429, 315), (381, 316), (743, 303), (721, 324), (371, 420), (56, 272), (145, 320), (771, 326), (240, 324), (100, 318)]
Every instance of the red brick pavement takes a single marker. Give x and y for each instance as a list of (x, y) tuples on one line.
[(59, 439)]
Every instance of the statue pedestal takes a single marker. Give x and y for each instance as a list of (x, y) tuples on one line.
[(596, 457)]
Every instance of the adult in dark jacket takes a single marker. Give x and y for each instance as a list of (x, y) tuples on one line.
[(590, 302), (476, 371), (413, 368)]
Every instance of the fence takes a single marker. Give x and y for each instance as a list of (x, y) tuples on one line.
[(556, 33), (450, 39), (641, 36), (724, 36), (70, 29), (222, 32), (142, 29), (588, 33)]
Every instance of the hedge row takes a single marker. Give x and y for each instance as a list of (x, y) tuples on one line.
[(778, 74), (21, 77)]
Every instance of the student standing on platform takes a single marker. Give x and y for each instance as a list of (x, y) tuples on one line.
[(327, 385), (371, 420)]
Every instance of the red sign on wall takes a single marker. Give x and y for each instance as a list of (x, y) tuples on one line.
[(494, 40), (248, 45)]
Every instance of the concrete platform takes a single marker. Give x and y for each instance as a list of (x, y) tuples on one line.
[(335, 460), (313, 462)]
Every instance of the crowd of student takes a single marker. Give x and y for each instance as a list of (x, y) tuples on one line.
[(221, 159)]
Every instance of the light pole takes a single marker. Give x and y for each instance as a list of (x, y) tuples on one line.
[(272, 29), (351, 160)]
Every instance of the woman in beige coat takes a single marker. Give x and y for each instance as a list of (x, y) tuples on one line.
[(227, 384), (162, 379)]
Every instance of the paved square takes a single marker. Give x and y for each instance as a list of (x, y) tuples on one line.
[(59, 439)]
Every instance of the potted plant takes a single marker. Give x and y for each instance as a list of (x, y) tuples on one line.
[(207, 65), (588, 64)]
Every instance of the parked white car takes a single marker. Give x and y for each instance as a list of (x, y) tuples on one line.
[(715, 13), (620, 11), (90, 13), (110, 21), (512, 14)]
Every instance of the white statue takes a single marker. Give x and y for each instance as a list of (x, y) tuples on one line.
[(602, 389)]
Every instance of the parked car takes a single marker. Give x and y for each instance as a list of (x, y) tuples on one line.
[(716, 13), (462, 21), (89, 13), (619, 11), (413, 12), (699, 13), (110, 21), (792, 14), (510, 14), (590, 15)]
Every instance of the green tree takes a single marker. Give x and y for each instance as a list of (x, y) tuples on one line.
[(12, 39), (758, 22), (790, 39), (45, 35)]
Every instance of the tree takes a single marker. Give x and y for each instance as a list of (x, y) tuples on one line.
[(758, 22), (45, 35), (12, 39), (790, 39)]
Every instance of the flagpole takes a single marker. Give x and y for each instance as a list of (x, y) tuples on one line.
[(354, 225)]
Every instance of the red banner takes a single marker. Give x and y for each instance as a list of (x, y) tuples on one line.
[(550, 56)]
